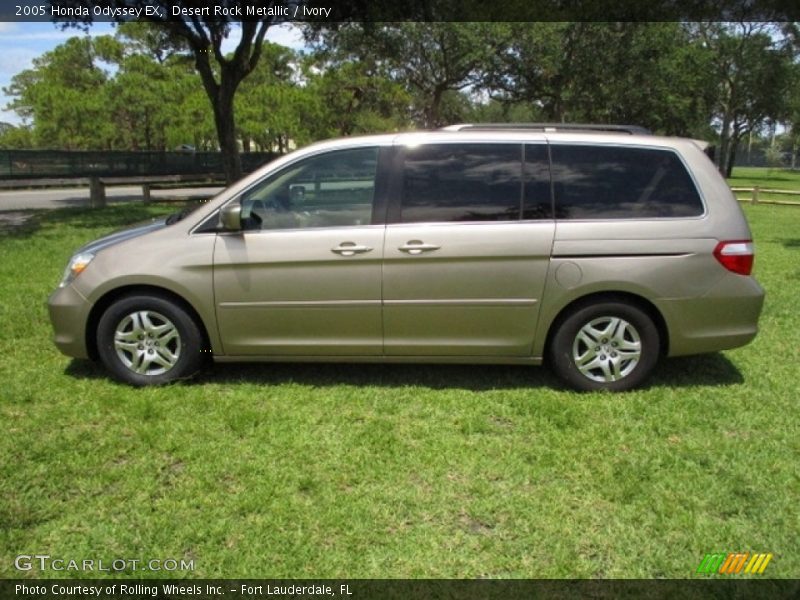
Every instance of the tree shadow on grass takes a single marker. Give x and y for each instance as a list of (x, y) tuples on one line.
[(18, 223), (25, 223), (793, 243), (712, 369), (114, 216)]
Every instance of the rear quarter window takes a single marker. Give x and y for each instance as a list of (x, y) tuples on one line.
[(615, 182)]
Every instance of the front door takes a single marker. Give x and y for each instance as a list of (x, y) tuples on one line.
[(304, 277)]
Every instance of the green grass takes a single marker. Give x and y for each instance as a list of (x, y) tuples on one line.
[(366, 471), (766, 178)]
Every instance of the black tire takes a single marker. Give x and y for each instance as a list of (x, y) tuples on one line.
[(611, 361), (149, 340)]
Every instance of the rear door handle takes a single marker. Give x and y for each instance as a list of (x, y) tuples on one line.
[(417, 247), (350, 248)]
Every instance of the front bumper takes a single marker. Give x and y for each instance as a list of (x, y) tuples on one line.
[(69, 314)]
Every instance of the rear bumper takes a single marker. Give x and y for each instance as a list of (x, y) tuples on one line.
[(724, 317), (69, 312)]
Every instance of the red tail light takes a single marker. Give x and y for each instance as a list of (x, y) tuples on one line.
[(736, 256)]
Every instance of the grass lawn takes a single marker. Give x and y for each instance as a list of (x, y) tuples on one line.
[(370, 471), (766, 178)]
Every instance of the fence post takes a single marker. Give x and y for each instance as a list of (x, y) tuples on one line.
[(146, 192), (754, 199), (97, 193)]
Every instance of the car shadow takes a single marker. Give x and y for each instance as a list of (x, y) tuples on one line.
[(711, 369), (702, 369)]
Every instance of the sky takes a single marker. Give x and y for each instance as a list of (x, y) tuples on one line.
[(20, 43)]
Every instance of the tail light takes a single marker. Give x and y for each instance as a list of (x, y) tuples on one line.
[(736, 256)]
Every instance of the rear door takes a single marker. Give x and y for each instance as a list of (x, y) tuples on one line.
[(467, 249), (304, 277)]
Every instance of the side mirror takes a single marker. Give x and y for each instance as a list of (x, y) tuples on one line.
[(231, 216)]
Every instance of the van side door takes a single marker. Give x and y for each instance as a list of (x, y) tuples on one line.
[(468, 242), (304, 276)]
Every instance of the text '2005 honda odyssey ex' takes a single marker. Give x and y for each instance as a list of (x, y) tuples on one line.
[(596, 249)]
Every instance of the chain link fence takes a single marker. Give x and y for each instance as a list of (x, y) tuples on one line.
[(22, 164)]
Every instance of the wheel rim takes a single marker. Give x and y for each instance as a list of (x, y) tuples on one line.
[(147, 342), (607, 349)]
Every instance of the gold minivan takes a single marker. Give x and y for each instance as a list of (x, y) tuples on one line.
[(596, 249)]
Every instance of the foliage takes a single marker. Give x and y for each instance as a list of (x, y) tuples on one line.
[(12, 137), (65, 91), (640, 73), (430, 61), (201, 37), (141, 89), (754, 75), (352, 97)]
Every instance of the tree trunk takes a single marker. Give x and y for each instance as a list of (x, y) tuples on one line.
[(221, 96), (97, 193), (724, 144), (732, 144), (226, 131), (432, 110)]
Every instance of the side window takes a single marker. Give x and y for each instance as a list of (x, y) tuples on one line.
[(608, 182), (538, 202), (335, 189), (462, 182)]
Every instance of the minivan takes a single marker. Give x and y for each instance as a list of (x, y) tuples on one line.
[(595, 249)]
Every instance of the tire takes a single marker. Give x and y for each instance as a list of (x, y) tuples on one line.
[(607, 346), (149, 340)]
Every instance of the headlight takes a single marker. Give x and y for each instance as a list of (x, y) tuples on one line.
[(75, 267)]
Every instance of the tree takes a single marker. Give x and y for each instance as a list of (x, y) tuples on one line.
[(65, 93), (12, 137), (638, 73), (430, 60), (793, 118), (349, 97), (753, 70), (202, 36), (136, 103), (269, 101), (153, 95)]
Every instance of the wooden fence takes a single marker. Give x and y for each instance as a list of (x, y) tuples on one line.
[(755, 195)]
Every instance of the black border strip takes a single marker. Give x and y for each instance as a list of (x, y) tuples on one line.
[(322, 11), (389, 589)]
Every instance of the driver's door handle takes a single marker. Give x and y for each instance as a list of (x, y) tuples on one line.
[(417, 247), (350, 249)]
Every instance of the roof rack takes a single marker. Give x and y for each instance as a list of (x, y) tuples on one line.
[(549, 127)]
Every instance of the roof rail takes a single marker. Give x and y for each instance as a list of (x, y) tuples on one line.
[(550, 127)]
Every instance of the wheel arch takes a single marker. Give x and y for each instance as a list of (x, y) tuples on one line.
[(105, 301), (613, 296)]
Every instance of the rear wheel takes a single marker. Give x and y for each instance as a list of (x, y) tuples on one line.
[(149, 340), (610, 346)]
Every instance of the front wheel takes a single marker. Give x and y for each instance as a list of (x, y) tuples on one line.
[(610, 346), (149, 340)]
